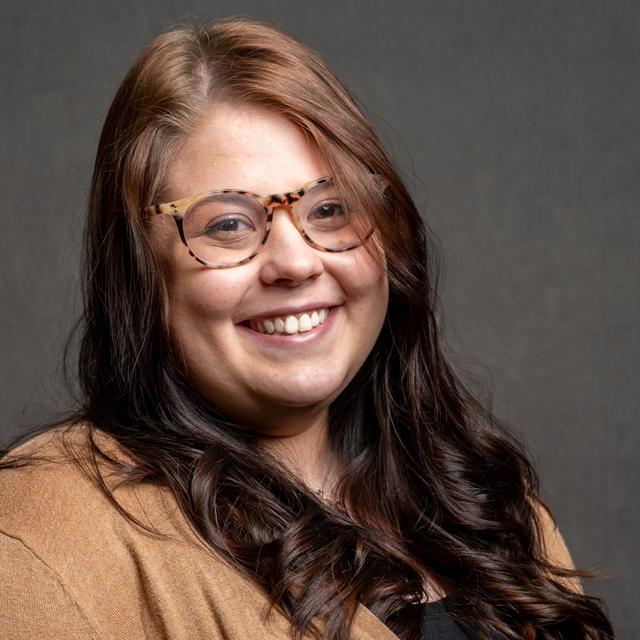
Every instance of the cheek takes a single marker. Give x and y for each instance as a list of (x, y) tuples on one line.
[(364, 278), (202, 302), (365, 284)]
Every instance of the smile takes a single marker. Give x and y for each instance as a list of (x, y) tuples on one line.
[(290, 324), (300, 337)]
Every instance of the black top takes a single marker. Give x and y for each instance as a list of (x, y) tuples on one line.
[(437, 624)]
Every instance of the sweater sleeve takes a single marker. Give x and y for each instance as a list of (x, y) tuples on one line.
[(33, 600)]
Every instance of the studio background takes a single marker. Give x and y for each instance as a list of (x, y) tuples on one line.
[(515, 123)]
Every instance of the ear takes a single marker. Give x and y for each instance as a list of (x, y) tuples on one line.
[(554, 547)]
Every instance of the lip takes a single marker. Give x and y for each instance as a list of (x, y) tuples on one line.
[(282, 340), (289, 311)]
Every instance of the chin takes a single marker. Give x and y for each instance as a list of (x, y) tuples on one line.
[(303, 397)]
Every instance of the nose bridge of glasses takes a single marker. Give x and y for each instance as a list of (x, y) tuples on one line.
[(288, 202)]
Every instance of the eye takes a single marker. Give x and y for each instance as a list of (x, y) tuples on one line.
[(224, 219), (229, 227), (327, 214)]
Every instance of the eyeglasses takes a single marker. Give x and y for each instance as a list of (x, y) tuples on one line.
[(228, 227)]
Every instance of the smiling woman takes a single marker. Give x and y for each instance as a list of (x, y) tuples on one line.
[(272, 438)]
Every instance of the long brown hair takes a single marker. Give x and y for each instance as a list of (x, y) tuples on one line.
[(434, 482)]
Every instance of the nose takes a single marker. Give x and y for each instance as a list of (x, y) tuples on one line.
[(286, 258)]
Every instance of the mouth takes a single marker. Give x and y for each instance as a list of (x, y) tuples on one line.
[(290, 325)]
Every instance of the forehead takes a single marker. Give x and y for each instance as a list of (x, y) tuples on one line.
[(244, 147)]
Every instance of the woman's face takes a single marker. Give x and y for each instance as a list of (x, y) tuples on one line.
[(254, 377)]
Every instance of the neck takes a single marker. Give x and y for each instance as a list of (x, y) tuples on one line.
[(305, 451)]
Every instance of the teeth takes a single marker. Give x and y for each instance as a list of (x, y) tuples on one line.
[(304, 324), (269, 326), (291, 325)]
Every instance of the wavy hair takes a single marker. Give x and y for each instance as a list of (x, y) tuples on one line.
[(432, 481)]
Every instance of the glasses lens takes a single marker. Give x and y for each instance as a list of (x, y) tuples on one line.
[(328, 221), (224, 229)]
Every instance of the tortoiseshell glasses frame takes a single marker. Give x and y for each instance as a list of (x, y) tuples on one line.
[(178, 209)]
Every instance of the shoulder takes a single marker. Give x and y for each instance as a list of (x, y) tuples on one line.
[(50, 521), (73, 552), (54, 505), (552, 543), (40, 475), (48, 503), (42, 483)]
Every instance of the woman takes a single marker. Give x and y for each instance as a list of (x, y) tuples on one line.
[(271, 437)]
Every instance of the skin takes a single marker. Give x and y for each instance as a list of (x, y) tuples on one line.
[(283, 393)]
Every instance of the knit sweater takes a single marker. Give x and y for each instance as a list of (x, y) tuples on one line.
[(72, 567)]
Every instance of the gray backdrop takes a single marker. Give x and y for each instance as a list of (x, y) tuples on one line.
[(516, 125)]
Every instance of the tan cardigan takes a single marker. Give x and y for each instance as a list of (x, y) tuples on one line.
[(71, 567)]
